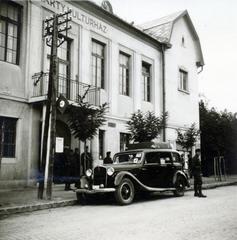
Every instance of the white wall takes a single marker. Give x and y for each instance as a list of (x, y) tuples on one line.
[(115, 40), (182, 107)]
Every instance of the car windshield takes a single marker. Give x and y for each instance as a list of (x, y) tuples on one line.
[(130, 158)]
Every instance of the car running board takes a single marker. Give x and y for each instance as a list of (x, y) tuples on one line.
[(159, 189)]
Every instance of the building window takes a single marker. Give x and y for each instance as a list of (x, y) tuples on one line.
[(183, 80), (101, 144), (63, 52), (124, 74), (64, 69), (146, 82), (10, 15), (7, 137), (98, 50), (183, 42), (124, 141)]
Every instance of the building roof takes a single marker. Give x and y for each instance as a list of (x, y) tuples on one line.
[(159, 30), (94, 7), (162, 28)]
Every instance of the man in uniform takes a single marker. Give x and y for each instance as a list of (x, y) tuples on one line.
[(197, 174)]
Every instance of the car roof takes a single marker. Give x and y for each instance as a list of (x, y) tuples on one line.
[(145, 150)]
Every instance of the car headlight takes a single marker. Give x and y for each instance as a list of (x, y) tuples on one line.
[(110, 171), (88, 172)]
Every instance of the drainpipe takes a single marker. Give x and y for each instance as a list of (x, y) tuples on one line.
[(163, 91)]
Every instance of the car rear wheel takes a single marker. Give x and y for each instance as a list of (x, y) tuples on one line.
[(179, 187), (124, 193)]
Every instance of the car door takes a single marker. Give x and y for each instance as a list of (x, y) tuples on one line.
[(166, 169), (149, 173), (176, 162)]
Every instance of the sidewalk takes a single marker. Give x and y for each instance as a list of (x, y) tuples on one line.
[(25, 199)]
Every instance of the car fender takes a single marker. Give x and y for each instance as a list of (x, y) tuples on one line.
[(183, 175), (119, 177)]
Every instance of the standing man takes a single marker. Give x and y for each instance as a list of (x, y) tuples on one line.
[(108, 159), (68, 154), (197, 174), (86, 160), (77, 170)]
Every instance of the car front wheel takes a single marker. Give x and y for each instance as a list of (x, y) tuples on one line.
[(179, 187), (124, 193)]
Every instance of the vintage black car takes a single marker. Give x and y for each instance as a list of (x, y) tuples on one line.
[(139, 170)]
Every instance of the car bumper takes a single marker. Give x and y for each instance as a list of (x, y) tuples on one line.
[(95, 190)]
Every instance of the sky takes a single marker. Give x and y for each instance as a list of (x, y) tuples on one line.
[(216, 24)]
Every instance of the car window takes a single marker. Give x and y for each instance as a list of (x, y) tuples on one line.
[(165, 157), (128, 157), (176, 157), (152, 157)]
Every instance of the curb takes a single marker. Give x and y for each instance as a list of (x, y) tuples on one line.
[(214, 185), (56, 204), (35, 207)]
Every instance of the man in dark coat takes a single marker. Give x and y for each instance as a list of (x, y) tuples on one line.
[(108, 159), (77, 170), (68, 154), (197, 174), (86, 160)]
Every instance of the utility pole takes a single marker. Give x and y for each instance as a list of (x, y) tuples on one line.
[(56, 28)]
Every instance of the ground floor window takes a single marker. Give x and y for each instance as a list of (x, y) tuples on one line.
[(7, 137), (124, 141)]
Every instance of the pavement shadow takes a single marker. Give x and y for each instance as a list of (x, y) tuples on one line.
[(109, 199)]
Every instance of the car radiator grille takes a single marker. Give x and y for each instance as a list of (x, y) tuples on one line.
[(100, 176)]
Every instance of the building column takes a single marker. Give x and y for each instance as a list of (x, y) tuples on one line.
[(113, 79), (137, 98)]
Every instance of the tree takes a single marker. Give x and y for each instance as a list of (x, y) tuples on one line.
[(187, 139), (145, 127), (218, 136), (85, 119)]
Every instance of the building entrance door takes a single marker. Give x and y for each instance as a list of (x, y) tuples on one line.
[(61, 168)]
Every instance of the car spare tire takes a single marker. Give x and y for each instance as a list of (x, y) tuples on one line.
[(124, 193)]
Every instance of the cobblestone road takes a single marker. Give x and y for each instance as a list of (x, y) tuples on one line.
[(158, 217)]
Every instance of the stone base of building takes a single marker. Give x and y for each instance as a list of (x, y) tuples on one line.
[(17, 183)]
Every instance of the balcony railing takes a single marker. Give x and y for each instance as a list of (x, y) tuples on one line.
[(71, 89)]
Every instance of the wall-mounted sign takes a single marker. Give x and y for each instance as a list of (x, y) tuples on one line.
[(111, 124), (59, 145), (76, 15), (62, 104)]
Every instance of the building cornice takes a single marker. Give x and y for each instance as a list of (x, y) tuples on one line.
[(13, 98), (117, 21)]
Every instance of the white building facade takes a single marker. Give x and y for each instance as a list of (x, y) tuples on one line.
[(131, 68)]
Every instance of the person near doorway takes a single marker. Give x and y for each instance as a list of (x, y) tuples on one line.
[(108, 159), (197, 174), (68, 158), (77, 169), (86, 160)]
